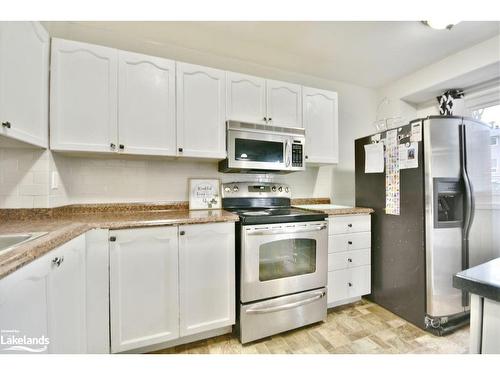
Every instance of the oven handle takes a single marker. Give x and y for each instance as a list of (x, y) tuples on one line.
[(287, 306), (268, 231)]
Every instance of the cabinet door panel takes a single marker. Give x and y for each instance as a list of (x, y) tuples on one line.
[(83, 101), (143, 287), (246, 98), (284, 104), (23, 305), (24, 81), (200, 111), (207, 277), (67, 299), (321, 124), (360, 281), (338, 285), (146, 104), (348, 224), (350, 241)]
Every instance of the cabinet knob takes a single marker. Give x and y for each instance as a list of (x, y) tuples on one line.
[(6, 124), (349, 242), (307, 157), (349, 260), (122, 147), (180, 149), (265, 119), (57, 261), (350, 284), (349, 225), (182, 233), (112, 238), (112, 145), (269, 119)]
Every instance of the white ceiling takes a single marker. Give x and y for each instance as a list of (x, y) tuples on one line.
[(370, 54)]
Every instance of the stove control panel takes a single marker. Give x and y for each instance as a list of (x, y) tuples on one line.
[(255, 189)]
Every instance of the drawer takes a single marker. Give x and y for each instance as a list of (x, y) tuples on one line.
[(348, 259), (350, 241), (349, 283), (348, 224)]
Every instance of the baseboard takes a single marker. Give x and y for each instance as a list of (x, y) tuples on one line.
[(343, 302)]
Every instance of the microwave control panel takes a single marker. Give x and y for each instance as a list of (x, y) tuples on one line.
[(297, 155)]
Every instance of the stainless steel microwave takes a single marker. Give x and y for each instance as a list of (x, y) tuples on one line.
[(263, 148)]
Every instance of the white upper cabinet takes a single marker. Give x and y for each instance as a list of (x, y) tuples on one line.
[(284, 104), (201, 111), (246, 98), (321, 125), (83, 102), (146, 104), (24, 82), (207, 277), (144, 294)]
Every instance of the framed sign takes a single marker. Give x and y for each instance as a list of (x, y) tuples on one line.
[(204, 193)]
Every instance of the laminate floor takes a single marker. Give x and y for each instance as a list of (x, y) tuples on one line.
[(359, 328)]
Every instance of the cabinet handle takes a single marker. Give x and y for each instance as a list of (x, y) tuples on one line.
[(349, 242), (6, 124), (112, 145), (57, 261), (265, 119), (182, 233), (270, 119), (349, 225), (180, 149), (122, 147), (350, 284), (112, 238), (307, 157), (349, 260)]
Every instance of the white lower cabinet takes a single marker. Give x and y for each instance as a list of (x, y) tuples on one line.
[(47, 298), (349, 258), (168, 283), (143, 287), (207, 277)]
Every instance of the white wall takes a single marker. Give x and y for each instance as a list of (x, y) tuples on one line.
[(96, 179)]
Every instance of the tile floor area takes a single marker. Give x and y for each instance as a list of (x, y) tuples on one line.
[(362, 328)]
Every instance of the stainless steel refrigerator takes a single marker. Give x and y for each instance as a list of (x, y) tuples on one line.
[(449, 218)]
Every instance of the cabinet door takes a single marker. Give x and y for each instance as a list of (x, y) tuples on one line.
[(67, 298), (207, 277), (83, 97), (24, 81), (321, 124), (146, 109), (245, 98), (23, 307), (284, 104), (143, 287), (201, 111)]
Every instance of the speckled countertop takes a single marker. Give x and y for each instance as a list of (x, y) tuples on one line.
[(66, 223)]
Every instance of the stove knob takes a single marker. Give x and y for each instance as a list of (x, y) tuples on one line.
[(280, 189), (273, 188), (235, 188), (227, 189), (287, 189)]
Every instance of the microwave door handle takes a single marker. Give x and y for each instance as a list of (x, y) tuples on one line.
[(287, 153), (293, 231)]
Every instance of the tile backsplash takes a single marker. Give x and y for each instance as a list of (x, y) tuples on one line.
[(41, 178)]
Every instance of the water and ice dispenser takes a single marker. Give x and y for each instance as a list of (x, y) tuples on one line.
[(448, 202)]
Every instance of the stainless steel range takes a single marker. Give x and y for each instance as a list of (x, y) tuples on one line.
[(282, 257)]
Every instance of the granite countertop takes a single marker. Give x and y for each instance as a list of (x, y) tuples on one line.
[(333, 209), (483, 280), (69, 222)]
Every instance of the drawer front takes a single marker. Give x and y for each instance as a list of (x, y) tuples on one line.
[(351, 241), (348, 283), (349, 224), (348, 259)]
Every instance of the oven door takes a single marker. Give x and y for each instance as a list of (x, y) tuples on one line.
[(258, 150), (280, 259)]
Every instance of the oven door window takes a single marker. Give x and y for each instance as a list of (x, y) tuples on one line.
[(260, 151), (286, 258)]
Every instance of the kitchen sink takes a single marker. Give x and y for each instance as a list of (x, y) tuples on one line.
[(11, 241)]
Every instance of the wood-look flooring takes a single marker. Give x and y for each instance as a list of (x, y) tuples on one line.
[(359, 328)]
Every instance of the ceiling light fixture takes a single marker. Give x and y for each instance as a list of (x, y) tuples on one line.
[(440, 24)]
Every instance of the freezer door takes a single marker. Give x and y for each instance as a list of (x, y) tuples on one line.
[(443, 245), (483, 240)]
